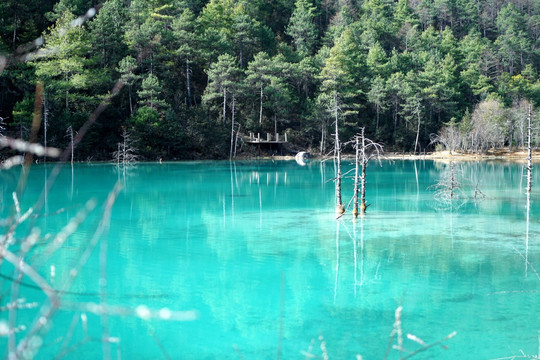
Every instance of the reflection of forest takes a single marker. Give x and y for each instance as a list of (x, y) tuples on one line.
[(217, 237)]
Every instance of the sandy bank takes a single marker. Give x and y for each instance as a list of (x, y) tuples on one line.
[(503, 155)]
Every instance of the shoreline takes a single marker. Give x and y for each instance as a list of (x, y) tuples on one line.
[(442, 156)]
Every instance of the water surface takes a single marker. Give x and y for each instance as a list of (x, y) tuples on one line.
[(254, 250)]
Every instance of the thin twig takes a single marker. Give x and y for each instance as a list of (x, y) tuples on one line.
[(49, 309), (449, 336)]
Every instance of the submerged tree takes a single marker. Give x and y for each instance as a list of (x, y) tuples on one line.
[(529, 152), (336, 89), (366, 150), (448, 189), (125, 154)]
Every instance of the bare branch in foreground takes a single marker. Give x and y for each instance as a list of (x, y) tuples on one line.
[(26, 147)]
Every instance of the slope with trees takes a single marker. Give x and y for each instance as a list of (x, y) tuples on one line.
[(197, 72)]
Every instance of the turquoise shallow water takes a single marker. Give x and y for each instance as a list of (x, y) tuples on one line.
[(254, 250)]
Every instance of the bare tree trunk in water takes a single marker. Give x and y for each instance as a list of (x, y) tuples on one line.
[(45, 120), (363, 206), (365, 150), (357, 161), (529, 152), (337, 153)]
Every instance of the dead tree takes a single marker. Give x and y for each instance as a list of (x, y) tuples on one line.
[(340, 209), (70, 134), (529, 151), (232, 151), (448, 190), (366, 149), (125, 154)]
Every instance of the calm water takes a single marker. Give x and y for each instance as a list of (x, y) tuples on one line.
[(254, 250)]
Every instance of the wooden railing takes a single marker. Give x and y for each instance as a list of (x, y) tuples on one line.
[(270, 138)]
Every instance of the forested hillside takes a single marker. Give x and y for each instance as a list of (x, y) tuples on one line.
[(188, 68)]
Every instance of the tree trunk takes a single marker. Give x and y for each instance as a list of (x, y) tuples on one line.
[(395, 115), (188, 81), (529, 152), (340, 209), (363, 206), (356, 175), (45, 119), (323, 137), (236, 141), (417, 130), (130, 101), (275, 125), (232, 129), (224, 104), (337, 153), (261, 107), (242, 55), (15, 21), (378, 109), (71, 142), (452, 180)]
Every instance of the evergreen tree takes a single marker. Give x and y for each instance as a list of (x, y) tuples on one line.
[(187, 38), (127, 68), (223, 83), (259, 75), (64, 65), (377, 97), (149, 95), (107, 32), (244, 33), (302, 28)]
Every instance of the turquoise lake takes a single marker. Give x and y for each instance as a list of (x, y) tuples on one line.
[(251, 255)]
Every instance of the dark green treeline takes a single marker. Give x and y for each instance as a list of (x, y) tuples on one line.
[(402, 69)]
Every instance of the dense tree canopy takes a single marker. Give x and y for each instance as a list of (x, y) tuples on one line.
[(192, 70)]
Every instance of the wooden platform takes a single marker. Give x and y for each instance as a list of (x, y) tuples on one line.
[(269, 139)]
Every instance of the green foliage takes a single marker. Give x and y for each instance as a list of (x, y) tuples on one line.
[(106, 33), (149, 94), (64, 68), (302, 28), (22, 117), (401, 69), (223, 84)]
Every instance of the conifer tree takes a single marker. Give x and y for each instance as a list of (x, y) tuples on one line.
[(302, 28), (186, 37), (126, 68), (223, 82), (149, 95)]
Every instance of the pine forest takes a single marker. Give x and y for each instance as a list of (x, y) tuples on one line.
[(185, 79)]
